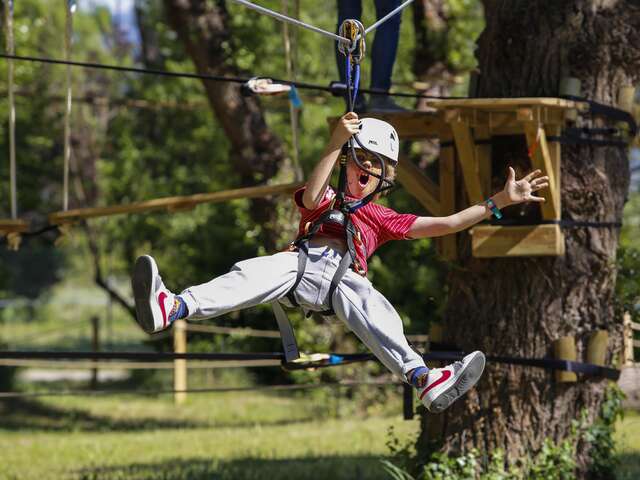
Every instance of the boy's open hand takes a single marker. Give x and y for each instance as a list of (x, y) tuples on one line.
[(349, 124), (518, 191)]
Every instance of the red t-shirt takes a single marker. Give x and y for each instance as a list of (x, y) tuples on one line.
[(376, 224)]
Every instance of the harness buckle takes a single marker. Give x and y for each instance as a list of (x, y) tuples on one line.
[(358, 268)]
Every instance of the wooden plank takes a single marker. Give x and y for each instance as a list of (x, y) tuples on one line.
[(173, 203), (410, 125), (555, 152), (180, 370), (447, 166), (465, 148), (483, 157), (636, 343), (13, 226), (627, 336), (503, 122), (490, 241), (507, 103), (635, 325), (421, 187), (541, 158)]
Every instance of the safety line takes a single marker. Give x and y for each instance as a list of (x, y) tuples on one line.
[(335, 359), (293, 21), (335, 88), (387, 17), (119, 365), (142, 356), (276, 388)]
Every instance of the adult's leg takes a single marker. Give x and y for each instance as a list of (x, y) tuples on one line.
[(374, 320), (385, 45), (248, 283)]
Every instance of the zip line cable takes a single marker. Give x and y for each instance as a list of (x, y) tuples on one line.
[(387, 17), (8, 10), (70, 8), (293, 21)]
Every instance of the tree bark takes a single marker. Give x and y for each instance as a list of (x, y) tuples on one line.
[(519, 306), (203, 28)]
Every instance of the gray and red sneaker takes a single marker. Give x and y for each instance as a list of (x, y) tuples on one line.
[(153, 300), (445, 385)]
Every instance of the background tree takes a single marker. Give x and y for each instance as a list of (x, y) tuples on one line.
[(518, 306)]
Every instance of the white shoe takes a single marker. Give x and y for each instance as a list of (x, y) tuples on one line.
[(153, 300), (445, 385)]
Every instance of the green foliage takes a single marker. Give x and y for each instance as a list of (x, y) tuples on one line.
[(627, 285), (552, 462), (599, 435), (466, 22)]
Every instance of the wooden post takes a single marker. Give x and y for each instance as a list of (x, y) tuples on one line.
[(95, 344), (483, 157), (628, 357), (447, 165), (597, 347), (436, 333), (180, 366), (407, 403), (565, 349)]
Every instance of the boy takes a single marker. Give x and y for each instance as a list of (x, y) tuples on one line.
[(362, 308)]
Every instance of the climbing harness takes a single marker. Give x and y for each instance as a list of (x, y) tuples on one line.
[(340, 210)]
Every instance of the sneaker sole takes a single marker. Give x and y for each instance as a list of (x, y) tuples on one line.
[(142, 284), (468, 377)]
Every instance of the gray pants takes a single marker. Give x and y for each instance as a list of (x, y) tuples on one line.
[(360, 306)]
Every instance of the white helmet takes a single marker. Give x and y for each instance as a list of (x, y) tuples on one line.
[(379, 137)]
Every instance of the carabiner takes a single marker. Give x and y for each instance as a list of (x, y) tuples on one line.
[(354, 31)]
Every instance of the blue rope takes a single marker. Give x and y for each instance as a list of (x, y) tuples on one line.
[(356, 83)]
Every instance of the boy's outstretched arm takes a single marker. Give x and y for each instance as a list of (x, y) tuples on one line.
[(514, 192), (319, 179)]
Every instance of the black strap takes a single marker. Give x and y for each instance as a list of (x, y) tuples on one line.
[(303, 255), (614, 113)]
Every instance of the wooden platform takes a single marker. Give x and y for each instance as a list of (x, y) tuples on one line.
[(13, 226), (465, 128), (490, 241)]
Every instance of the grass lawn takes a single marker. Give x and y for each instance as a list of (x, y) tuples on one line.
[(213, 436), (231, 435), (628, 445)]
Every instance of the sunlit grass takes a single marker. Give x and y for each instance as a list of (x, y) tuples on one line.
[(253, 435)]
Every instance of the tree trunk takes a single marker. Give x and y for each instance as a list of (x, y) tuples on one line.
[(203, 28), (519, 306)]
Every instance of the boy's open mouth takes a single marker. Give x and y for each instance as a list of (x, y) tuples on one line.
[(363, 179)]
